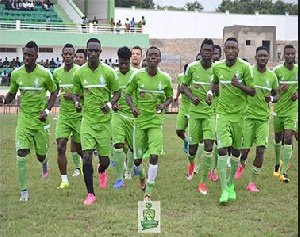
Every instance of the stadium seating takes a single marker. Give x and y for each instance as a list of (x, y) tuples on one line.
[(38, 15)]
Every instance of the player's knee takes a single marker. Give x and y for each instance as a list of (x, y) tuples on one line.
[(222, 152), (104, 163), (137, 162), (22, 152), (87, 157), (119, 146), (61, 149), (153, 159), (180, 133), (41, 158)]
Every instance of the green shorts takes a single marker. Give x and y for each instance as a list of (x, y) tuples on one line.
[(181, 121), (289, 122), (66, 128), (201, 129), (122, 130), (255, 131), (229, 133), (151, 138), (96, 136), (39, 138)]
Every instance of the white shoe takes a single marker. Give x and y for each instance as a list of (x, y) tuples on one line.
[(127, 175), (228, 162), (76, 172), (24, 196)]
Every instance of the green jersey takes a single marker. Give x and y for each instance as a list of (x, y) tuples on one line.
[(123, 80), (64, 82), (185, 101), (264, 83), (285, 106), (232, 100), (33, 87), (199, 81), (150, 92), (97, 87)]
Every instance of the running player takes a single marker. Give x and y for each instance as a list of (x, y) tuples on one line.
[(201, 116), (33, 81), (98, 81), (235, 80), (285, 111), (154, 93), (68, 122), (256, 121)]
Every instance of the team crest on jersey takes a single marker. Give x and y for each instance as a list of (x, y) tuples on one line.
[(196, 86), (101, 80), (142, 94), (267, 83), (142, 86), (36, 82), (159, 87), (85, 82)]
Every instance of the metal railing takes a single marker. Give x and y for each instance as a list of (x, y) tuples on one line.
[(67, 27)]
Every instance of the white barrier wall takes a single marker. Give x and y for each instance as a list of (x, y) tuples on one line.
[(182, 24)]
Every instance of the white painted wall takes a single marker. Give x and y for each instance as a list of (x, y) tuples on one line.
[(177, 24)]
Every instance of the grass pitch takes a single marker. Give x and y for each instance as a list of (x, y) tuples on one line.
[(184, 211)]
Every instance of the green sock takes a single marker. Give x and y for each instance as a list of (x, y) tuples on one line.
[(199, 154), (191, 159), (206, 166), (76, 160), (129, 163), (215, 157), (277, 148), (118, 159), (125, 149), (141, 171), (234, 161), (21, 165), (112, 148), (149, 187), (255, 172), (222, 167), (287, 154)]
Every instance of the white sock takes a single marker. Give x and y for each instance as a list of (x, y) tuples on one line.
[(64, 178), (152, 173), (138, 168)]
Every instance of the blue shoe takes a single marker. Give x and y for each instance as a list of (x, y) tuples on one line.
[(135, 172), (119, 184), (112, 164), (186, 146)]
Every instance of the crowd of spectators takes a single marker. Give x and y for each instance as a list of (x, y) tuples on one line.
[(27, 5)]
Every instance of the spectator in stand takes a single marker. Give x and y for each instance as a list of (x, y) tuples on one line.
[(127, 25), (143, 21), (118, 26), (44, 5), (84, 24), (30, 6), (17, 63), (95, 21), (4, 78), (112, 25), (6, 63), (132, 25), (47, 64), (1, 63), (139, 27), (58, 62), (12, 63), (52, 63), (48, 20)]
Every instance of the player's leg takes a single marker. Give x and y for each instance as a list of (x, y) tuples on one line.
[(224, 141), (140, 144), (155, 143), (181, 125), (199, 154), (75, 157), (88, 143), (278, 136), (62, 161), (194, 130), (249, 135), (208, 129), (287, 154), (129, 154)]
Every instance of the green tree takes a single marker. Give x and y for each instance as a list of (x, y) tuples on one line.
[(262, 6), (192, 6), (136, 3)]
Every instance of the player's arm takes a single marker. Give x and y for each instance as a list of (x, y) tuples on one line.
[(294, 96), (7, 99), (129, 101), (214, 89), (195, 100), (177, 93), (106, 107), (76, 91)]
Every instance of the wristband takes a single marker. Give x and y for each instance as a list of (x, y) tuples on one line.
[(209, 92), (271, 98), (76, 103), (109, 105), (47, 111)]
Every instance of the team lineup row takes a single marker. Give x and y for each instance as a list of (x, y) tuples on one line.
[(99, 104)]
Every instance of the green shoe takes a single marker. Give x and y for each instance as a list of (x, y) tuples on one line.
[(231, 192), (224, 197)]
